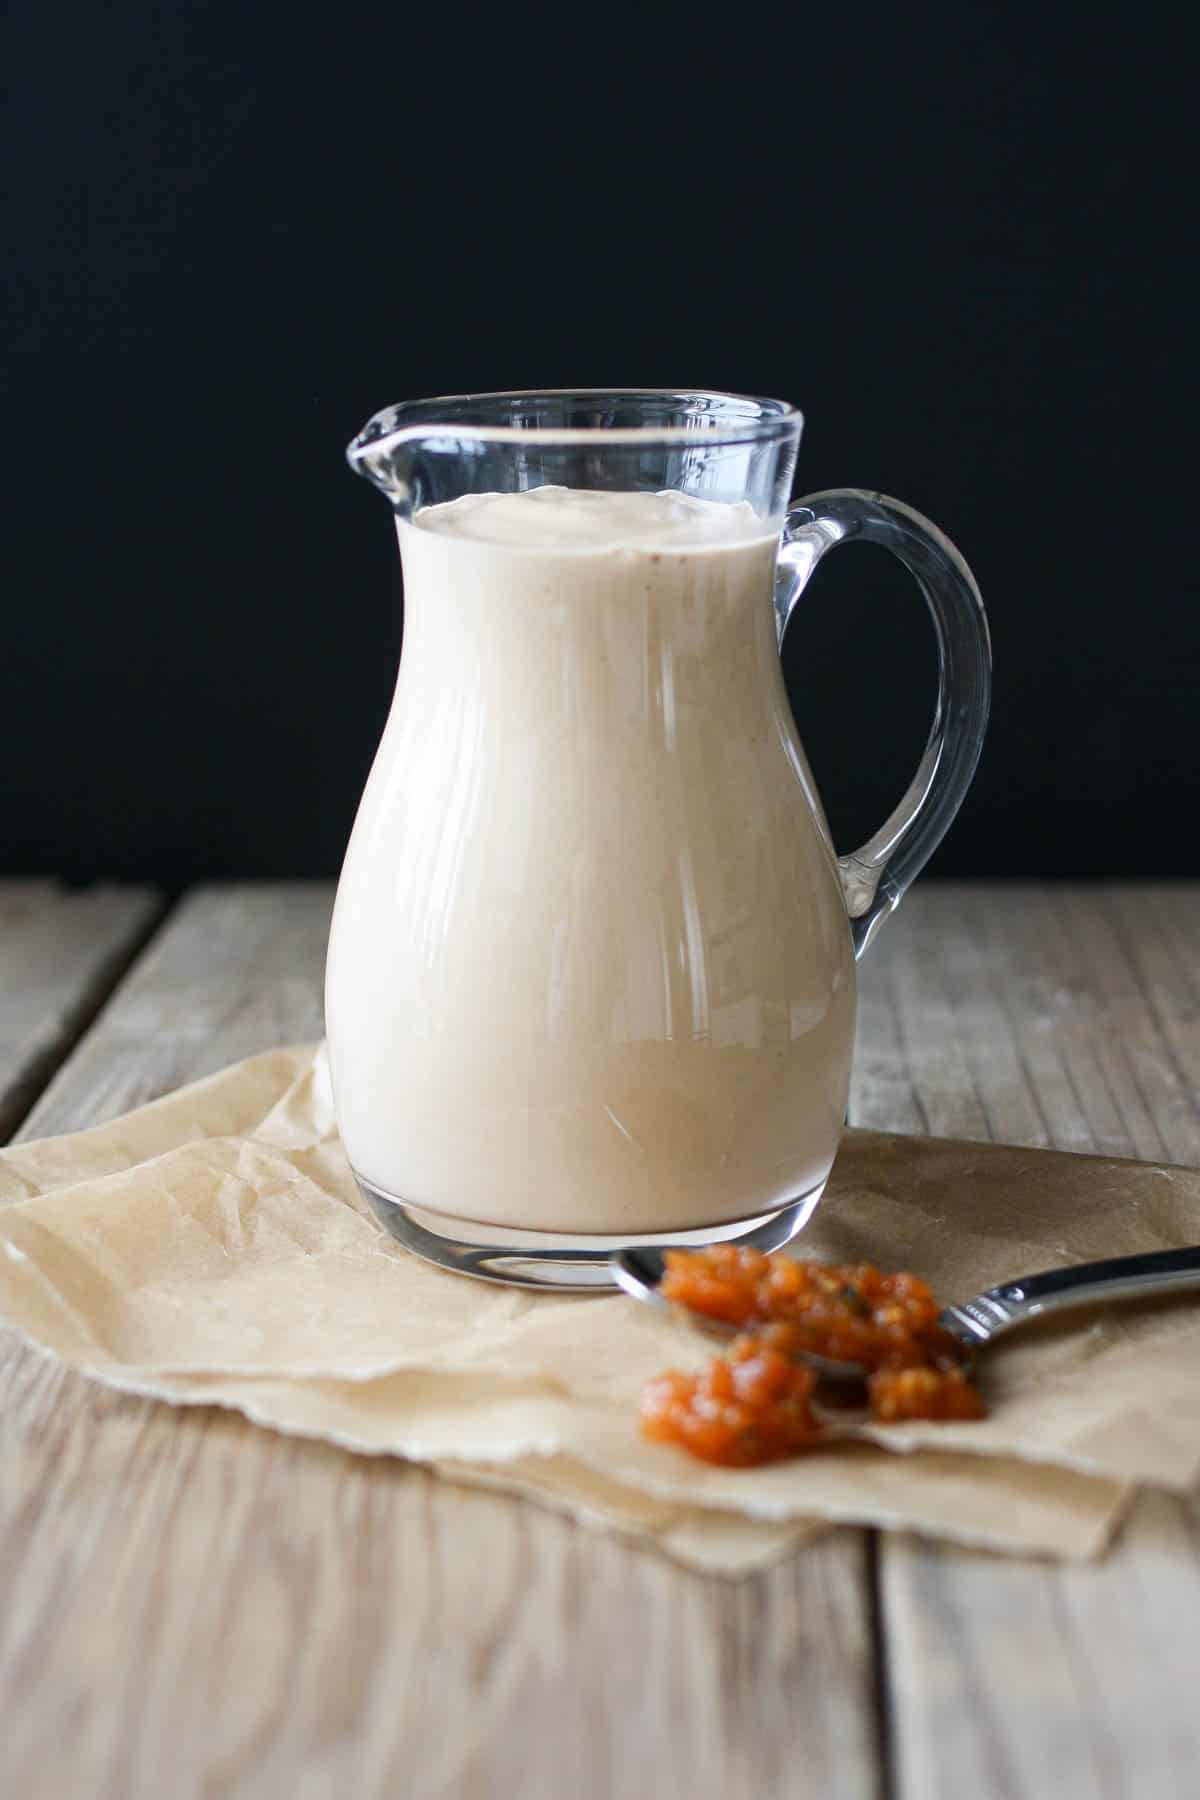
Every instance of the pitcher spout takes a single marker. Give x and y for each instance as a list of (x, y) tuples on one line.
[(384, 452)]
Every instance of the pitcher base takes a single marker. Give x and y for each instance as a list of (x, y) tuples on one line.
[(551, 1261)]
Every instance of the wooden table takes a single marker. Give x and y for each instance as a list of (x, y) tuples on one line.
[(193, 1607)]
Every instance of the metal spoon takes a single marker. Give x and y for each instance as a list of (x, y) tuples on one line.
[(973, 1323)]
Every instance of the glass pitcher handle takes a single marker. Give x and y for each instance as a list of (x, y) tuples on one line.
[(877, 876)]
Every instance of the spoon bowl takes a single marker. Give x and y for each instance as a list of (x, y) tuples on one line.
[(639, 1272), (972, 1323)]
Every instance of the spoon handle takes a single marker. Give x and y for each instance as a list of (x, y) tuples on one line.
[(979, 1320)]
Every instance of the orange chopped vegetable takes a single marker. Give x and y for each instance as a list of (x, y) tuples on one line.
[(923, 1394), (755, 1405), (850, 1312), (751, 1407)]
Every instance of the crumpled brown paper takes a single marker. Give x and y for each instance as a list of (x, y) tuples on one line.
[(212, 1248)]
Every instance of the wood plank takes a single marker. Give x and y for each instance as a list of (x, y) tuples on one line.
[(235, 970), (1026, 1678), (202, 1609), (195, 1607), (61, 954), (1077, 1015)]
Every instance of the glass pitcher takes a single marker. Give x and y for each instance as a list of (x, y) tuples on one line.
[(591, 967)]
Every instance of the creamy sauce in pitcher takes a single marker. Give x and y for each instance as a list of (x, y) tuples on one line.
[(590, 969)]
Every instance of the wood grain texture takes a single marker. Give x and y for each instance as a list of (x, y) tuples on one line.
[(1042, 1016), (61, 952), (194, 1607), (234, 970)]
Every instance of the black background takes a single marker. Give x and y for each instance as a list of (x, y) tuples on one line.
[(957, 236)]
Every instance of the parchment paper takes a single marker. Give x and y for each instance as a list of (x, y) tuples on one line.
[(211, 1248)]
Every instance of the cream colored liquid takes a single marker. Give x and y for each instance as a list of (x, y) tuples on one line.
[(590, 969)]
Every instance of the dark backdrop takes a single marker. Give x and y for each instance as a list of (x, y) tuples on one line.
[(956, 235)]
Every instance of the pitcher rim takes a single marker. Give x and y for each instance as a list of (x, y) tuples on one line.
[(401, 424)]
